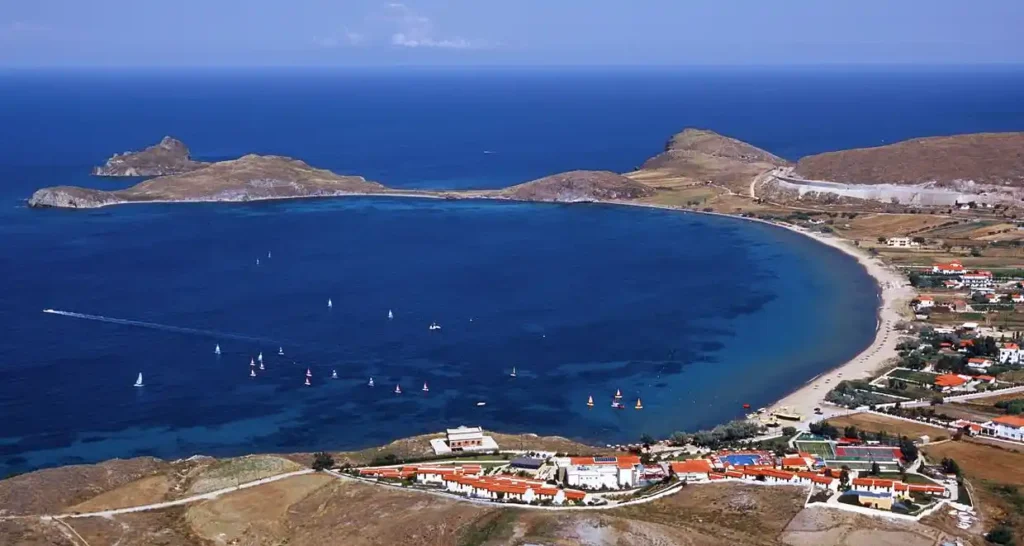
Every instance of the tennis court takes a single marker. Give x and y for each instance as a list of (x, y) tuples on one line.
[(870, 453), (821, 449)]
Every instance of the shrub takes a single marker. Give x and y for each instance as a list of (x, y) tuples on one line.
[(322, 460)]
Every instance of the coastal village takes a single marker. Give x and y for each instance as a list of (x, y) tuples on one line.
[(922, 429)]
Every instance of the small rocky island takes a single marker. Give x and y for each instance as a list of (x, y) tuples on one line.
[(170, 156)]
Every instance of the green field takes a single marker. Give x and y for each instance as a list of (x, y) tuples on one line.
[(924, 378), (821, 449)]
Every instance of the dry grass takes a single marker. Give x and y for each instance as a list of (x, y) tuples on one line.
[(230, 472), (982, 462), (148, 490), (818, 526), (878, 423)]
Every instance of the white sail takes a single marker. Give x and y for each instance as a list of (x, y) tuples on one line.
[(371, 382), (390, 314), (261, 366), (138, 382), (280, 351), (252, 373), (268, 253), (425, 388), (329, 303), (513, 374), (216, 350), (257, 261), (334, 374), (260, 357)]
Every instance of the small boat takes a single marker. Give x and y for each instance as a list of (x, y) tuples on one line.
[(435, 326), (371, 382), (138, 382), (390, 314), (268, 254), (618, 405), (260, 357), (425, 388), (261, 366), (309, 373), (307, 382), (257, 261), (330, 304), (481, 404), (746, 406), (216, 350), (513, 374), (398, 389), (638, 404), (252, 363), (280, 351), (590, 401), (618, 394), (252, 372), (334, 374)]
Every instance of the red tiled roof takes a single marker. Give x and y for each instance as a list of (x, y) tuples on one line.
[(871, 482), (793, 461), (949, 380), (1011, 346), (572, 494), (1010, 421), (691, 466)]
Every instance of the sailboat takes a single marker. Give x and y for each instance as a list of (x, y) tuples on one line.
[(257, 261), (390, 314), (138, 382), (330, 304), (590, 401), (307, 382), (216, 350), (260, 357), (513, 374), (638, 404), (435, 326), (371, 382), (398, 389), (268, 254), (280, 351), (252, 363), (334, 374), (618, 394), (425, 388), (309, 373), (261, 367), (252, 372)]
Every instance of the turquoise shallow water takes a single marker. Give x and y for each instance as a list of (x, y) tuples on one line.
[(697, 315)]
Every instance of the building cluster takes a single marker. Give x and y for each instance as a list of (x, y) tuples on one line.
[(622, 472), (470, 480), (951, 382), (1006, 427), (883, 494)]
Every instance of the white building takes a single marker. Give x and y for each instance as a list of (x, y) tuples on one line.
[(952, 268), (463, 439), (977, 280), (1007, 427), (1017, 298), (1010, 353), (601, 472), (978, 363), (900, 242), (924, 302)]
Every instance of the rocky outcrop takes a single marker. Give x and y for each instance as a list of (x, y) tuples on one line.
[(252, 177), (170, 156), (982, 158), (579, 186)]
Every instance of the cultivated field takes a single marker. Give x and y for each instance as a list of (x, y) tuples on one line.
[(877, 423)]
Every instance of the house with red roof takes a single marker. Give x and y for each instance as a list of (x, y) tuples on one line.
[(1007, 427), (1017, 298), (951, 382), (978, 363), (693, 470), (623, 471), (1010, 353), (952, 268)]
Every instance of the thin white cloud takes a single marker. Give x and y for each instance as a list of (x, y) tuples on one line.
[(345, 38), (414, 30)]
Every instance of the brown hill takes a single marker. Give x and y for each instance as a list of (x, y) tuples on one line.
[(985, 158), (578, 186), (248, 178), (694, 144)]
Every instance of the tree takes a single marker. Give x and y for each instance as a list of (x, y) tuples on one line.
[(1000, 535), (844, 477), (950, 466), (881, 240), (850, 432), (647, 439), (322, 460), (875, 470), (918, 240), (908, 450), (789, 431)]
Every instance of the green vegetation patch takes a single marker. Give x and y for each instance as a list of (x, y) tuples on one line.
[(924, 378), (821, 449)]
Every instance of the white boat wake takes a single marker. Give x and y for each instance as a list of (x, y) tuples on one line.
[(155, 326)]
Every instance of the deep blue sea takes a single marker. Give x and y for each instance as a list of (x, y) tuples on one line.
[(697, 315)]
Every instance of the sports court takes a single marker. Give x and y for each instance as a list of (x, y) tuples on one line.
[(869, 453), (821, 449)]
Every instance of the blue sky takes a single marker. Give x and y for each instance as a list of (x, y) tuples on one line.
[(518, 32)]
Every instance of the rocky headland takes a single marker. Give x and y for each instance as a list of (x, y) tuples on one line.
[(579, 186), (169, 156)]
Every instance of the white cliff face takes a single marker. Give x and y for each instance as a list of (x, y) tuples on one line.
[(61, 197), (927, 195)]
